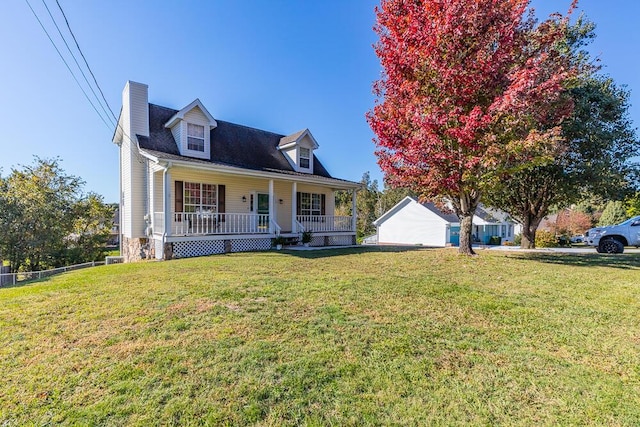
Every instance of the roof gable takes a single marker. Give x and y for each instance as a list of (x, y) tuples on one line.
[(296, 138), (483, 216), (429, 208), (181, 114)]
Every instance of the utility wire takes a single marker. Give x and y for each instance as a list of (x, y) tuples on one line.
[(118, 125), (67, 65), (64, 39), (85, 61)]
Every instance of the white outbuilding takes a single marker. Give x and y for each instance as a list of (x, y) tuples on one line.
[(413, 223)]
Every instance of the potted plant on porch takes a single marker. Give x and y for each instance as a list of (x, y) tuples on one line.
[(278, 241), (306, 237)]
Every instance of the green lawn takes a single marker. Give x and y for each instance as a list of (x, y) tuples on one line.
[(346, 337)]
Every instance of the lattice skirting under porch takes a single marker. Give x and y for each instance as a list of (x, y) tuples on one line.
[(244, 245), (341, 240), (198, 248), (211, 247), (331, 241)]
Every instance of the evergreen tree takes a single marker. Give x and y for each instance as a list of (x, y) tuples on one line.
[(614, 213)]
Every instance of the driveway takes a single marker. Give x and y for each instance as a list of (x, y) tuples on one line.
[(574, 250)]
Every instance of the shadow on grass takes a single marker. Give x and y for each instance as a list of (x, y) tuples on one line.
[(335, 251), (623, 261), (23, 283)]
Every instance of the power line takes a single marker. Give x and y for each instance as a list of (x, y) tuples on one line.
[(67, 65), (75, 60), (118, 125), (85, 61)]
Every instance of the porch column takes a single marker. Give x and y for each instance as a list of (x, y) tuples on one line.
[(271, 206), (353, 210), (151, 199), (294, 207), (166, 197)]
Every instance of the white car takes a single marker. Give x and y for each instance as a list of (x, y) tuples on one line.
[(614, 238), (577, 239)]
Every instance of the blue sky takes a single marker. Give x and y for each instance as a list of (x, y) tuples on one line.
[(272, 64)]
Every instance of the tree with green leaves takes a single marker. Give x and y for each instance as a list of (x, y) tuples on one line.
[(595, 160), (614, 213), (43, 214), (633, 205), (367, 205), (371, 203), (91, 229)]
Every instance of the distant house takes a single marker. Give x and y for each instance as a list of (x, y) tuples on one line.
[(413, 223), (194, 185)]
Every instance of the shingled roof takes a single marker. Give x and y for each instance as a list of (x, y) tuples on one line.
[(448, 216), (291, 138), (231, 145)]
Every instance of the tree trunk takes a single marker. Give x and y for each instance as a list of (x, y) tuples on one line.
[(465, 236), (465, 209), (529, 229), (527, 242)]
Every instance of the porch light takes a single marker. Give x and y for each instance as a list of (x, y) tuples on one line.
[(281, 201), (244, 199)]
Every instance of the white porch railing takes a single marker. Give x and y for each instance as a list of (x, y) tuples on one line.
[(203, 223), (324, 223)]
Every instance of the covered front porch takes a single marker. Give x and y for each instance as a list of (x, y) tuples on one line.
[(212, 223), (224, 212)]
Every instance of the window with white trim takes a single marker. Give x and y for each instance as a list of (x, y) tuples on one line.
[(200, 197), (305, 157), (310, 204), (195, 137)]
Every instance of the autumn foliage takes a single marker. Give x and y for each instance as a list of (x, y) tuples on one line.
[(571, 222), (470, 88)]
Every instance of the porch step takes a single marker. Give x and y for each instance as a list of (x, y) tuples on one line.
[(290, 240)]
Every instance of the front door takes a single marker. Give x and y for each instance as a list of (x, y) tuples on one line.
[(262, 209), (454, 237)]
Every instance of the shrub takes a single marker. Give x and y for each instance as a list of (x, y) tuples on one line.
[(495, 240), (564, 241), (279, 240), (306, 236), (517, 239), (546, 239)]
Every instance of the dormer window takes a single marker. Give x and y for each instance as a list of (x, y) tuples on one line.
[(298, 149), (195, 137), (191, 128), (305, 156)]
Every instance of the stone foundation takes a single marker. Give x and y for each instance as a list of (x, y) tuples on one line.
[(168, 251), (137, 249)]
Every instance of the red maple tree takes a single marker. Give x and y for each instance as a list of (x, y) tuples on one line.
[(470, 88), (570, 222)]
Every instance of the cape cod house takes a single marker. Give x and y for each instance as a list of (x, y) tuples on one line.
[(193, 185), (413, 223)]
